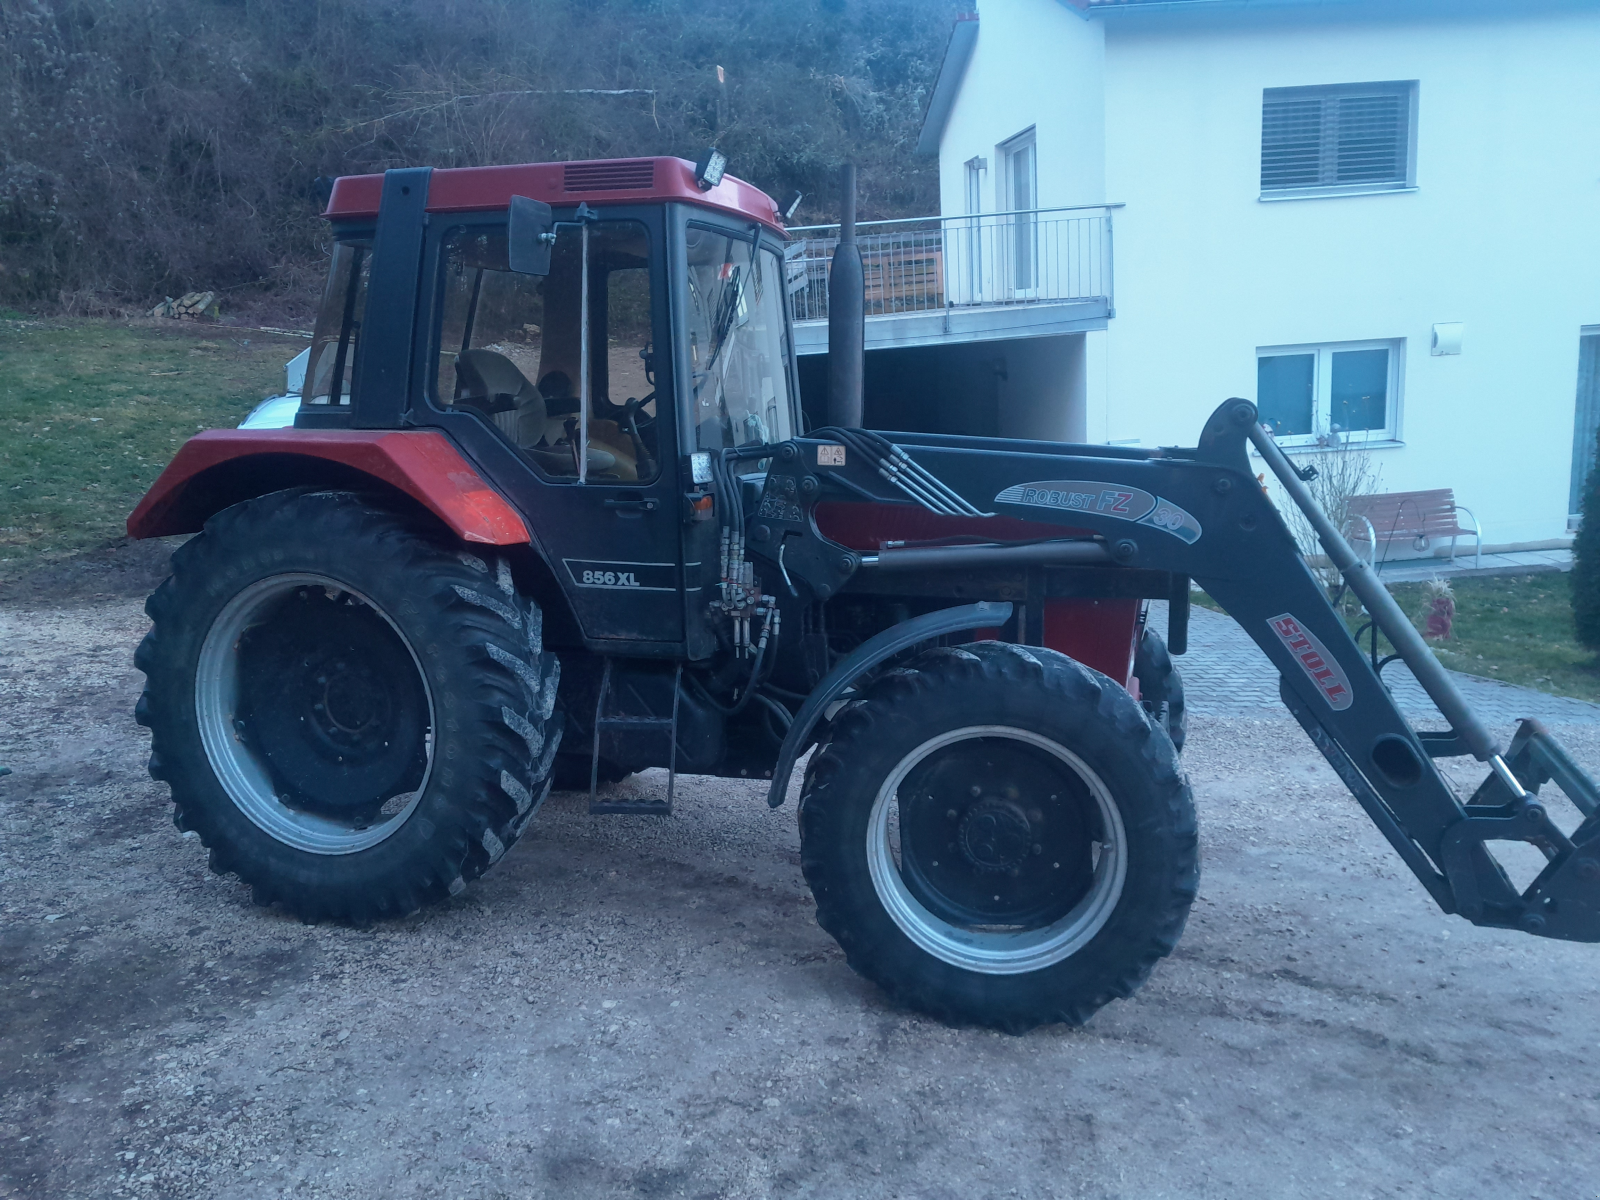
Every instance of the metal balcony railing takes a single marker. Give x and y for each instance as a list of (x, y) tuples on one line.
[(918, 264)]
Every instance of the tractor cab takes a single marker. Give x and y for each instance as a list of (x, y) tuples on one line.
[(653, 328)]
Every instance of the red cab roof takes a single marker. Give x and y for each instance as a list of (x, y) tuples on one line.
[(597, 182)]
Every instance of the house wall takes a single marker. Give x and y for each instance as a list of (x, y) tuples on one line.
[(1501, 233), (1029, 50), (1042, 388)]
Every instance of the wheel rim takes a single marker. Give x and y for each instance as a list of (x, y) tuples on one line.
[(342, 750), (998, 836)]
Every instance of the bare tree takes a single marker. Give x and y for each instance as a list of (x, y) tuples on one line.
[(1343, 469)]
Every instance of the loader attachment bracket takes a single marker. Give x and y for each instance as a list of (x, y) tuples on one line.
[(1387, 765), (1564, 901), (783, 529)]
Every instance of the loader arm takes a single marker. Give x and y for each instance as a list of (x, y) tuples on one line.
[(1200, 513)]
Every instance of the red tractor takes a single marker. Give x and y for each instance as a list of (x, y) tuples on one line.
[(549, 514)]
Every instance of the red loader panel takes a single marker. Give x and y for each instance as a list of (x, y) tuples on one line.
[(421, 463), (866, 527), (1098, 633)]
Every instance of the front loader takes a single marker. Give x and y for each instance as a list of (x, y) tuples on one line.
[(549, 514)]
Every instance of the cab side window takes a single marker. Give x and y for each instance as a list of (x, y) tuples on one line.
[(519, 352), (330, 369)]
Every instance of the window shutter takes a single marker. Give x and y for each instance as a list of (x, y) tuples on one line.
[(1332, 136), (1371, 139), (1291, 143)]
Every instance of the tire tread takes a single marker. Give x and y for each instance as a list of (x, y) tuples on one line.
[(1011, 1003), (473, 615)]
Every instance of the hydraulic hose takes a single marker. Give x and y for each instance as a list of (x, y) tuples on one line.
[(752, 683), (785, 717), (904, 472)]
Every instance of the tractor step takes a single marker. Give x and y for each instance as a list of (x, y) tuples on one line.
[(632, 806)]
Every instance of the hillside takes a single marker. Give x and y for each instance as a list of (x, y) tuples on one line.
[(156, 147)]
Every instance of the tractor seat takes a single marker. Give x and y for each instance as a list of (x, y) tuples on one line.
[(488, 375), (491, 384)]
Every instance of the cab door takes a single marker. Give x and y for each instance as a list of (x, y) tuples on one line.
[(550, 383), (617, 548)]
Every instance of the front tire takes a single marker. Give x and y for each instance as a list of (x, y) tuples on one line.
[(999, 836), (353, 715), (1161, 687)]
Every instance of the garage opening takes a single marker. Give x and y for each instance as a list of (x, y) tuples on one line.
[(1030, 388)]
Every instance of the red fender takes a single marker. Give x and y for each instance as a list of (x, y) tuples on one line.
[(422, 463)]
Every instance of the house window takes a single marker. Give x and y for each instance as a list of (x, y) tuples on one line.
[(1356, 137), (1305, 394), (1020, 179)]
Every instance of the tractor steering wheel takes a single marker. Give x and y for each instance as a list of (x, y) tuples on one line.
[(630, 414)]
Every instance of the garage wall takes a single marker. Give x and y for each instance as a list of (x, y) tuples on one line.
[(1026, 388)]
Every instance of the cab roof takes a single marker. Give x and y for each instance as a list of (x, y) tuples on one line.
[(596, 182)]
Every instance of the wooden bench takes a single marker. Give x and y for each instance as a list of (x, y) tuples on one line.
[(1419, 516)]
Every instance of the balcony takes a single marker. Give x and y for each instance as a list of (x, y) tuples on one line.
[(941, 280)]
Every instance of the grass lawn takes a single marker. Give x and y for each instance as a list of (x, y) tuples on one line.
[(92, 410), (1516, 628)]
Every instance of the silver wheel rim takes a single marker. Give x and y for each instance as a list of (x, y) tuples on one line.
[(242, 775), (991, 951)]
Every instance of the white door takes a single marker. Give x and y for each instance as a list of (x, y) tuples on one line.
[(972, 234), (1586, 416), (1020, 159)]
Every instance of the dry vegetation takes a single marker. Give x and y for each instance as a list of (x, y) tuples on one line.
[(154, 147)]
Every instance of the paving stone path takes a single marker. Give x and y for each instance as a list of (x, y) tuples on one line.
[(1226, 674), (1467, 566)]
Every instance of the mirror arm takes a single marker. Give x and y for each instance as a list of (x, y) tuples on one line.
[(532, 233)]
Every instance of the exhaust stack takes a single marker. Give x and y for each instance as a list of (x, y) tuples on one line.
[(847, 330)]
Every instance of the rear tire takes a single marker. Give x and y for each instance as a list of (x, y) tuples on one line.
[(999, 836), (353, 715)]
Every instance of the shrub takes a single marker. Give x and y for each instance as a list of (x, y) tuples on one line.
[(1586, 568)]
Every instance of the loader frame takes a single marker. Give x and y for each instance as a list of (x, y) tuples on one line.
[(1201, 513)]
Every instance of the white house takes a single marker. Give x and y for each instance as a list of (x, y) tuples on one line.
[(1380, 216)]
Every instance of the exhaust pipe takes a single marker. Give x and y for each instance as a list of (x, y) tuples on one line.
[(847, 328)]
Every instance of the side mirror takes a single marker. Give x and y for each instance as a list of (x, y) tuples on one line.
[(531, 235)]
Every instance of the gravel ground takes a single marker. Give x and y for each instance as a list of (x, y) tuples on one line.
[(631, 1006)]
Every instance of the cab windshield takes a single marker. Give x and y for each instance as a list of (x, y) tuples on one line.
[(738, 345)]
